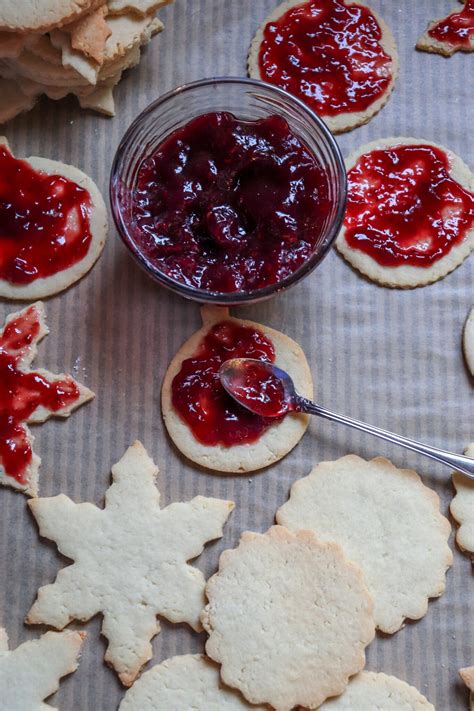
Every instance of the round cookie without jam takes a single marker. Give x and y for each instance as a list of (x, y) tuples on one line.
[(288, 619), (343, 121), (184, 682), (276, 441), (408, 276), (387, 521), (462, 507), (369, 690), (468, 341), (97, 217)]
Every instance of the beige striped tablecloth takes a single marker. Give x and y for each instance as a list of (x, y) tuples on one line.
[(392, 358)]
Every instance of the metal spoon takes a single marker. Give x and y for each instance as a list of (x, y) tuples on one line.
[(238, 377)]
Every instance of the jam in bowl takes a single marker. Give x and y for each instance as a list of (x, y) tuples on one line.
[(228, 190)]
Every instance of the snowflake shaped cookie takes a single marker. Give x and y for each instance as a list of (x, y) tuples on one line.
[(28, 396), (31, 672), (130, 560)]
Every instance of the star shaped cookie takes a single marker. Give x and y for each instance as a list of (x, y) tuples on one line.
[(130, 560), (31, 672), (28, 396)]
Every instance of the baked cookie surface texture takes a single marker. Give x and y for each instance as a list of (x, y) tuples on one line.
[(387, 521), (288, 619), (130, 560), (462, 507), (378, 692), (454, 33), (190, 681), (31, 672)]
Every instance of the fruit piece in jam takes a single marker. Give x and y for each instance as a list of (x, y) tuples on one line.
[(44, 221), (227, 205), (213, 416), (404, 207), (457, 29), (329, 54), (23, 392)]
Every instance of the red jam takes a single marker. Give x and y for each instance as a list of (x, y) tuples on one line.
[(227, 205), (44, 222), (22, 393), (328, 54), (198, 396), (404, 208), (457, 28), (260, 390)]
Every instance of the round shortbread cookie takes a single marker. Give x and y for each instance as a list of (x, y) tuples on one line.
[(430, 44), (190, 681), (288, 618), (47, 286), (468, 341), (408, 276), (345, 121), (276, 441), (387, 521), (34, 16), (462, 507), (378, 692)]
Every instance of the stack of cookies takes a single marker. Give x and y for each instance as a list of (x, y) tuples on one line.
[(61, 47)]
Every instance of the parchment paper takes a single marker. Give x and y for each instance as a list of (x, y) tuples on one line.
[(392, 358)]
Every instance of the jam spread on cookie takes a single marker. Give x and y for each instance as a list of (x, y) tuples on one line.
[(328, 54), (227, 205), (21, 393), (213, 416), (44, 222), (260, 390), (404, 207), (457, 28)]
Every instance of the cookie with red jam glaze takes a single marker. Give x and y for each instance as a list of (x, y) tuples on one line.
[(204, 422), (329, 80), (410, 212)]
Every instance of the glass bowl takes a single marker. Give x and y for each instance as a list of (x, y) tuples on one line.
[(247, 99)]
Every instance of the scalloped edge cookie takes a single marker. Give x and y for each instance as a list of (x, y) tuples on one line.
[(376, 690), (386, 521), (468, 341), (351, 119), (408, 276), (47, 286), (288, 618), (276, 441), (188, 681), (462, 507)]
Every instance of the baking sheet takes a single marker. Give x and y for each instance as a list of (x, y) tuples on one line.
[(392, 358)]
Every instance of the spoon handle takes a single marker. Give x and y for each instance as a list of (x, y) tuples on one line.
[(461, 463)]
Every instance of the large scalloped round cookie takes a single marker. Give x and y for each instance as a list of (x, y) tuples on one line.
[(288, 619)]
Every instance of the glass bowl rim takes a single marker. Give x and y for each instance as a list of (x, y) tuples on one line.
[(236, 297)]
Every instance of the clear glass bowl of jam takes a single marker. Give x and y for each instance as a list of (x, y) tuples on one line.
[(228, 190)]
